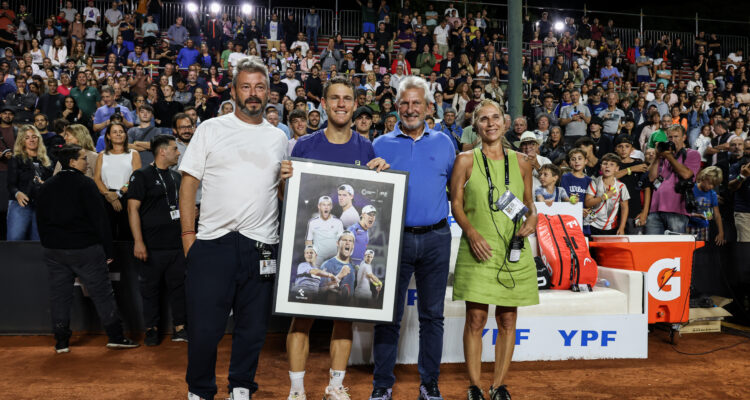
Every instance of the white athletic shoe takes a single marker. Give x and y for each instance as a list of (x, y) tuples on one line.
[(297, 396), (336, 393), (193, 396), (240, 394)]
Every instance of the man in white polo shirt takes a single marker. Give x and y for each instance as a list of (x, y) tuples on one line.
[(323, 230), (349, 214), (231, 261)]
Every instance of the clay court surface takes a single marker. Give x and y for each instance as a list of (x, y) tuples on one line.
[(29, 369)]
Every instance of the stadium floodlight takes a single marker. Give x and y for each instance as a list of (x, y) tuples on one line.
[(559, 26), (215, 8), (192, 7), (247, 8)]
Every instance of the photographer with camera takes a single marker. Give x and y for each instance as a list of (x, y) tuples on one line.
[(672, 178)]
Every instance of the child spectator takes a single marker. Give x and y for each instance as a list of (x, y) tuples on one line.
[(549, 192), (631, 174), (576, 182), (707, 206), (606, 195), (92, 35)]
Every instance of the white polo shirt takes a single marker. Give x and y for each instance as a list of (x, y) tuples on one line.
[(238, 165), (323, 234)]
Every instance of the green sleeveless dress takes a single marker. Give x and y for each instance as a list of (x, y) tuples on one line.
[(477, 281)]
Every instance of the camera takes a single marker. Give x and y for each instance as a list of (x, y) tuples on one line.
[(515, 247), (665, 146)]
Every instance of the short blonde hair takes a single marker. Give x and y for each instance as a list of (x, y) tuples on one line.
[(712, 175)]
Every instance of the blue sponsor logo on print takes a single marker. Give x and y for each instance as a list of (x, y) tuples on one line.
[(451, 220), (411, 297), (587, 337), (521, 334)]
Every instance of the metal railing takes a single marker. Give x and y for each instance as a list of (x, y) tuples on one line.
[(351, 23)]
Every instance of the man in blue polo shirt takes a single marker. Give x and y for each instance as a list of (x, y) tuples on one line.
[(428, 156), (105, 113), (336, 143), (361, 236)]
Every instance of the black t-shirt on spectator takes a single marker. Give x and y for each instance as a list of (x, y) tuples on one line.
[(50, 105), (382, 38), (631, 182), (164, 111), (314, 86), (160, 231)]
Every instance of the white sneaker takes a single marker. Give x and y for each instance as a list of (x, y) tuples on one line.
[(193, 396), (297, 396), (336, 393), (240, 394)]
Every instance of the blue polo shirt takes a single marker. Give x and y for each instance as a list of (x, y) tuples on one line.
[(361, 239), (429, 161), (104, 113), (315, 146)]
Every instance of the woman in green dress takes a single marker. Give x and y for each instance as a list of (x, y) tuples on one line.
[(484, 274)]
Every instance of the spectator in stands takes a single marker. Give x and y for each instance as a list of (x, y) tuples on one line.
[(298, 126), (77, 242), (661, 106), (667, 210), (119, 50), (707, 206), (612, 117), (187, 55), (113, 17), (113, 168), (103, 114), (630, 174), (273, 32), (555, 148), (574, 118), (312, 25), (608, 197), (137, 56), (177, 34), (529, 145), (28, 168), (139, 137), (77, 134), (50, 104)]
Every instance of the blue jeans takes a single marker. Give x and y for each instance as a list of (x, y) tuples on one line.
[(312, 38), (21, 222), (427, 257), (658, 222)]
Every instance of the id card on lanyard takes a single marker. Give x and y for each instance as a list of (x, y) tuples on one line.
[(174, 213)]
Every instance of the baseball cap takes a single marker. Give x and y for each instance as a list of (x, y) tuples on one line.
[(347, 188), (528, 136), (313, 110), (7, 108), (624, 138), (596, 120), (273, 50), (369, 209), (370, 252), (362, 110), (324, 198)]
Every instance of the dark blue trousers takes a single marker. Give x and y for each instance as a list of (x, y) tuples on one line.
[(426, 256), (223, 275)]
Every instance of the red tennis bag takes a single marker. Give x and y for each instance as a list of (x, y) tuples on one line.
[(563, 249)]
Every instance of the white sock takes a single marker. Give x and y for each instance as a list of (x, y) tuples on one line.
[(298, 381), (337, 378)]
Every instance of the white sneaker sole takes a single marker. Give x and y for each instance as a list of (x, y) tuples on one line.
[(121, 346), (60, 351)]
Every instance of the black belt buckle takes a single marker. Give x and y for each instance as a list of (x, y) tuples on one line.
[(419, 230)]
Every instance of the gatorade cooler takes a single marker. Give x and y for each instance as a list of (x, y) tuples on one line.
[(667, 261)]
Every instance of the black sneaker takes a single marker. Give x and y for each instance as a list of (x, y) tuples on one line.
[(152, 337), (429, 391), (121, 343), (381, 393), (62, 345), (475, 393), (499, 393), (180, 336)]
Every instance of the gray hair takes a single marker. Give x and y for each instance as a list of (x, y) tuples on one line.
[(250, 64), (108, 89), (450, 110), (414, 82)]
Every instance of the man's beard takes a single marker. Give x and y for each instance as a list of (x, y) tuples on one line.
[(413, 126), (251, 113)]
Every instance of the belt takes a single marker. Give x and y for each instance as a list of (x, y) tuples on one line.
[(418, 230)]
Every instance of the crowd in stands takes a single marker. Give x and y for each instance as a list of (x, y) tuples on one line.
[(591, 101)]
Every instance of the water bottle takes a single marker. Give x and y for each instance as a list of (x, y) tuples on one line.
[(601, 282)]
